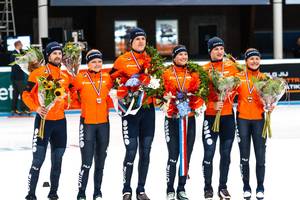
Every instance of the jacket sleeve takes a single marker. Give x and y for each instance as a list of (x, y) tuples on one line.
[(28, 95)]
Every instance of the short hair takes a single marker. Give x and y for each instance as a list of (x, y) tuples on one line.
[(17, 42)]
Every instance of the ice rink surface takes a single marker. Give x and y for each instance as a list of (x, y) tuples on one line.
[(282, 161)]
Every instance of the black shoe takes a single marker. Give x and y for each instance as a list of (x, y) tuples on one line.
[(127, 196), (52, 197), (208, 194), (142, 196), (224, 194), (30, 197)]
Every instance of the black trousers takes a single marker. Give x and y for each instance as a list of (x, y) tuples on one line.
[(18, 88), (247, 130), (55, 132), (138, 131), (209, 139), (172, 139), (93, 142)]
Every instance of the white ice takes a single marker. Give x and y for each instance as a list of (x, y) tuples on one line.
[(282, 161)]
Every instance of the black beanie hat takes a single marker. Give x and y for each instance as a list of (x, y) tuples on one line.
[(52, 46), (92, 54), (214, 42), (252, 52), (135, 32), (178, 49)]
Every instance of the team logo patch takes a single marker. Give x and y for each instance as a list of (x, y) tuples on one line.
[(81, 144), (209, 141), (126, 141)]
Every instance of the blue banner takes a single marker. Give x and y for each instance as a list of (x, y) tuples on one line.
[(155, 2)]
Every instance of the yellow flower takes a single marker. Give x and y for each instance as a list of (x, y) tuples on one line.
[(59, 92), (49, 86), (44, 83)]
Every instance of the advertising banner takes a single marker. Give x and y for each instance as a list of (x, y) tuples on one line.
[(6, 92)]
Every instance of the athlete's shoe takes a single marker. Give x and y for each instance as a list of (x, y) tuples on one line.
[(81, 198), (127, 196), (260, 195), (224, 194), (208, 194), (182, 195), (98, 198), (30, 197), (171, 196), (142, 196), (52, 196), (247, 195)]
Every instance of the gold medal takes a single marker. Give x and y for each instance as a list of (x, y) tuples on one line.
[(250, 99), (98, 100)]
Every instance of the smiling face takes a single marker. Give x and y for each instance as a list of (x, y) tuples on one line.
[(181, 58), (55, 57), (217, 53), (139, 43), (253, 62), (95, 64)]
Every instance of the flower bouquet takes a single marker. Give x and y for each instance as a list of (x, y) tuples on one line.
[(224, 87), (31, 59), (72, 57), (49, 91), (129, 92), (127, 95), (270, 90)]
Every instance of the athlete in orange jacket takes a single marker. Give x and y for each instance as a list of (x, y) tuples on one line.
[(55, 129), (93, 86), (179, 81), (250, 121), (227, 122), (137, 129)]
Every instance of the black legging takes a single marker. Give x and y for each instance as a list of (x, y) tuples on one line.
[(172, 139), (209, 139), (248, 129), (55, 131), (138, 130), (93, 140)]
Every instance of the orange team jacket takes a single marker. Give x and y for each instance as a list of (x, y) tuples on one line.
[(30, 98), (125, 66), (249, 105), (192, 83), (91, 111), (229, 69)]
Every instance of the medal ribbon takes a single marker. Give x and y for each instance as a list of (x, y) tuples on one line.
[(183, 124), (135, 60), (248, 83), (177, 80), (98, 92)]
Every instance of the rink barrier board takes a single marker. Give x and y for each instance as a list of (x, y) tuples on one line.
[(289, 69)]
